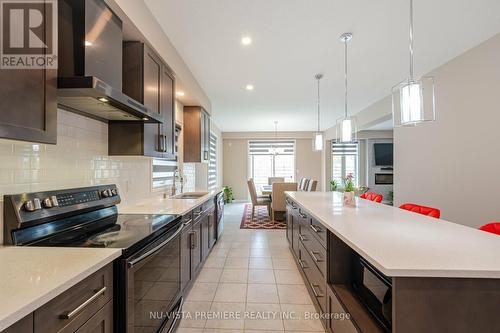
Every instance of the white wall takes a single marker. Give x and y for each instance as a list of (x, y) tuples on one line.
[(235, 156), (454, 163)]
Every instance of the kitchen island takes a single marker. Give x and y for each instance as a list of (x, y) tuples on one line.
[(441, 276)]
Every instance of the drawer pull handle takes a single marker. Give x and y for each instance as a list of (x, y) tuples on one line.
[(301, 263), (313, 255), (313, 287), (70, 314), (302, 238), (188, 222), (316, 230)]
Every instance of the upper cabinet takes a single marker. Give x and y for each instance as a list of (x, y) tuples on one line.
[(149, 81), (28, 103), (196, 127)]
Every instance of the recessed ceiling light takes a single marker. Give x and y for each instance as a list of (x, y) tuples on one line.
[(246, 40), (180, 93), (87, 43), (103, 99), (145, 118), (249, 87)]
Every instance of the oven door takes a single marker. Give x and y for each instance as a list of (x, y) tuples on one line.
[(153, 285)]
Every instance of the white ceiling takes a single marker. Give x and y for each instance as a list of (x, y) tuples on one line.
[(295, 39)]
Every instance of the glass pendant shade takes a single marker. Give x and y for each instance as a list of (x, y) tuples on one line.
[(318, 141), (413, 102), (347, 130)]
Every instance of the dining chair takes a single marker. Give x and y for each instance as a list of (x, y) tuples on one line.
[(311, 186), (429, 211), (278, 203), (271, 180), (258, 200), (493, 227), (301, 184), (372, 196)]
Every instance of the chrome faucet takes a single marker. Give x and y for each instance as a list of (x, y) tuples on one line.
[(177, 175)]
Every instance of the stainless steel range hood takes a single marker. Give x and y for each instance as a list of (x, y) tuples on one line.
[(90, 64)]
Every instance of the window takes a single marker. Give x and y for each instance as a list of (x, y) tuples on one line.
[(269, 158), (212, 162), (345, 161), (163, 173)]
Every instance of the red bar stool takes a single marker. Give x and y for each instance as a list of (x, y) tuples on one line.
[(429, 211), (372, 196), (493, 227)]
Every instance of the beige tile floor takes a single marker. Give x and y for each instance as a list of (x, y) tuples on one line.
[(250, 284)]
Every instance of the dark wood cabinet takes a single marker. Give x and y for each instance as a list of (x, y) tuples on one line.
[(101, 322), (212, 228), (86, 307), (196, 134), (28, 104), (24, 325), (196, 253), (149, 81), (295, 232), (186, 243)]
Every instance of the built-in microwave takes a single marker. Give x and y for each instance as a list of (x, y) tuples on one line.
[(373, 289)]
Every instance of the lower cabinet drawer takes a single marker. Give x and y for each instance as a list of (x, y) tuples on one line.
[(338, 320), (319, 231), (101, 322), (314, 248), (70, 310), (315, 281)]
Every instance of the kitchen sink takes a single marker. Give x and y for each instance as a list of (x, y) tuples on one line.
[(190, 195)]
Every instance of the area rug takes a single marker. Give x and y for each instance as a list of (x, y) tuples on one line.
[(261, 219)]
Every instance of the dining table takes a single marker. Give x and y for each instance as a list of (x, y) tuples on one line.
[(266, 189)]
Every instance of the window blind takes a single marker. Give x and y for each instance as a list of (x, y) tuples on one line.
[(267, 147), (212, 162), (163, 172)]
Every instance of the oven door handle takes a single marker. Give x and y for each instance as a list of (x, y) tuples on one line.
[(149, 253)]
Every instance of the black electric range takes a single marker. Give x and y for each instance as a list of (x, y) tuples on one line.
[(147, 275)]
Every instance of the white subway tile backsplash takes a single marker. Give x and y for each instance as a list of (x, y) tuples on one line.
[(79, 159)]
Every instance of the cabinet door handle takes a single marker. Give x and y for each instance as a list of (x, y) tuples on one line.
[(315, 229), (193, 240), (302, 238), (70, 314), (313, 255), (304, 216), (164, 143), (160, 143), (313, 287), (188, 222), (205, 155), (301, 263)]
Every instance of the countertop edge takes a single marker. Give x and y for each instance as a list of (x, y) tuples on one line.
[(22, 312)]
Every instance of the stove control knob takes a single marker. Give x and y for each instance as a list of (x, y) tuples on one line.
[(114, 192), (47, 203), (106, 193), (55, 203), (32, 205)]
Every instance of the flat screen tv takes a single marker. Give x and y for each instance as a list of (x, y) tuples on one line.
[(383, 154)]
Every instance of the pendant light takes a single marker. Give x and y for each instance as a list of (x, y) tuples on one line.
[(346, 126), (412, 99), (318, 136), (274, 149)]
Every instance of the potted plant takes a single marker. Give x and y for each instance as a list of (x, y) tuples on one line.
[(228, 194), (349, 191), (334, 185)]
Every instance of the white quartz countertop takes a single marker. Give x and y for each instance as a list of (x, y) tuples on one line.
[(160, 205), (32, 276), (402, 243)]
